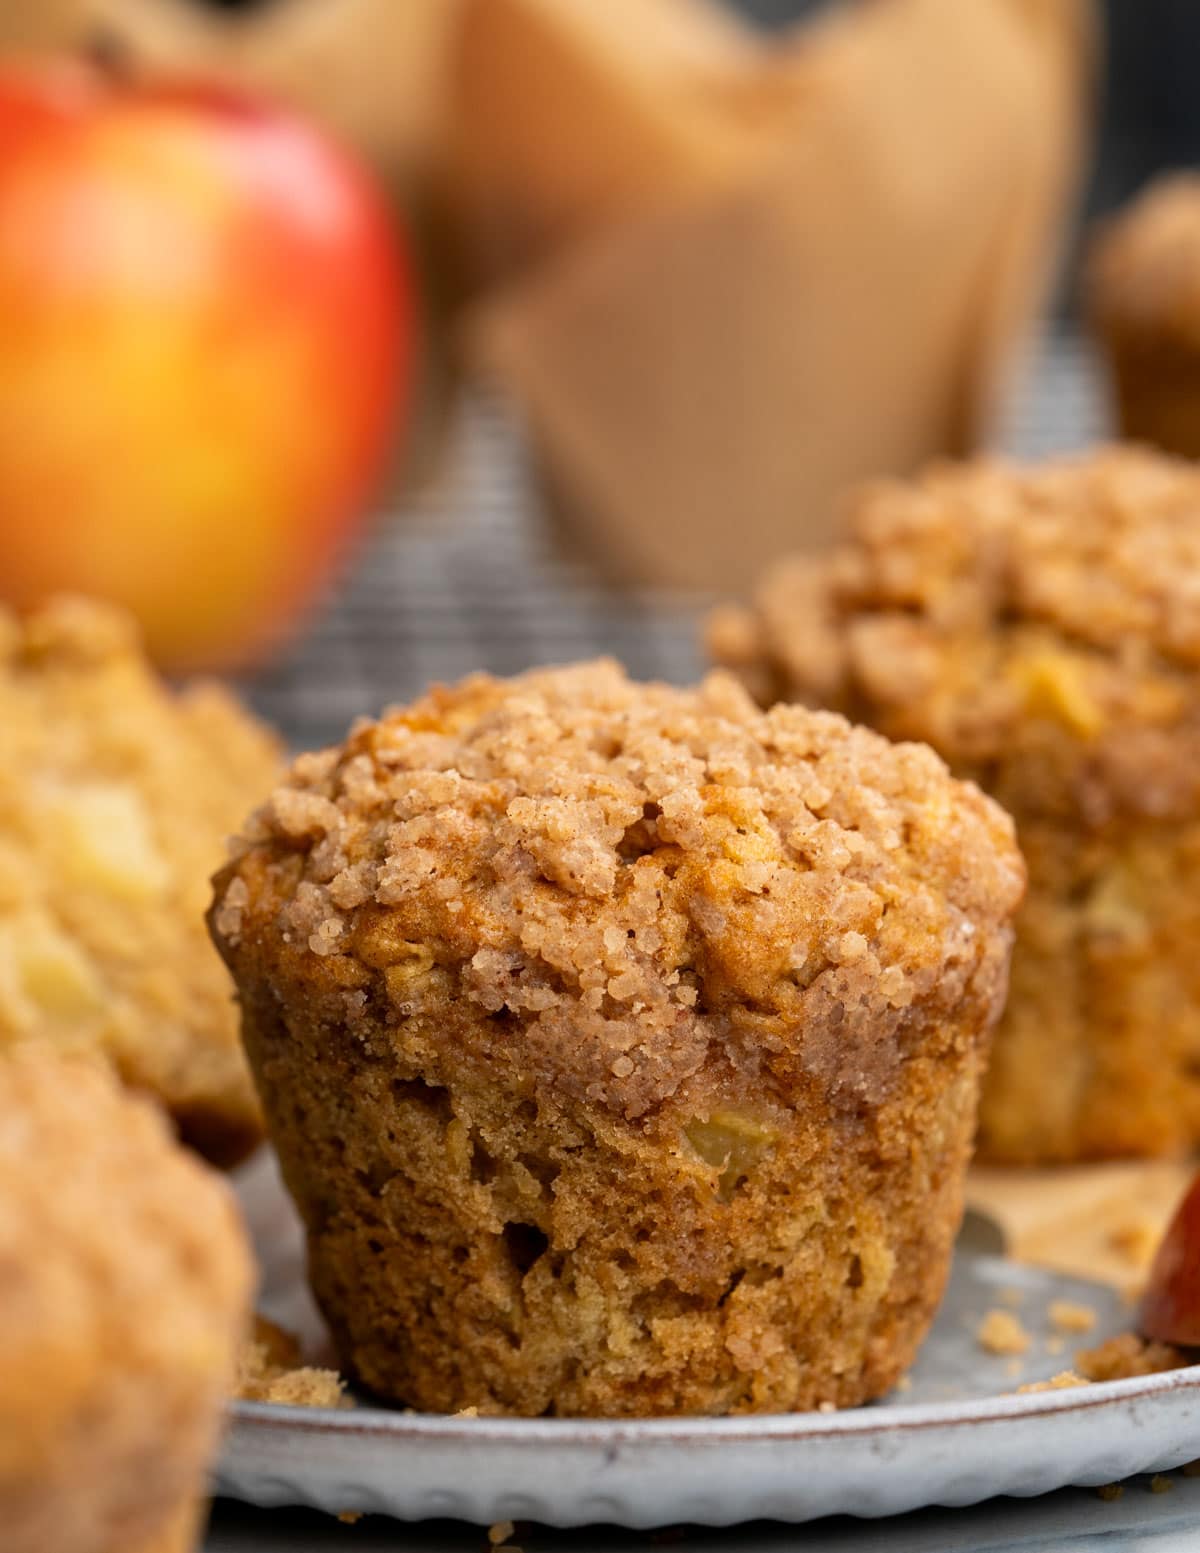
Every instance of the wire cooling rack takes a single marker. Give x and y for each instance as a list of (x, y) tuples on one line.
[(470, 578)]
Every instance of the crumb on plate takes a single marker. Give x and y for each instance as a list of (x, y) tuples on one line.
[(270, 1369), (1071, 1316), (1000, 1332), (1063, 1381), (1127, 1355), (1136, 1241)]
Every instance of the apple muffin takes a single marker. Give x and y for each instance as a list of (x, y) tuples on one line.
[(621, 1044), (1143, 302), (124, 1297), (116, 801), (1041, 630)]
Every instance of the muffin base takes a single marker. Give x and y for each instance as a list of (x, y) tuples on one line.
[(475, 1246), (1098, 1053)]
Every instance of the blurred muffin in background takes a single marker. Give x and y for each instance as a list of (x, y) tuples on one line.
[(124, 1298), (1143, 301), (1041, 630), (621, 1044), (116, 800)]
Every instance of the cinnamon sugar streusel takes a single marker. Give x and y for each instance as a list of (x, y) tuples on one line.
[(116, 799), (1041, 629), (620, 1043), (1143, 296), (124, 1286)]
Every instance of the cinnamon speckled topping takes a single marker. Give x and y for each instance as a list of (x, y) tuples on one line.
[(1049, 613), (633, 882)]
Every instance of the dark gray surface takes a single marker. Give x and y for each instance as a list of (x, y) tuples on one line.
[(1074, 1521)]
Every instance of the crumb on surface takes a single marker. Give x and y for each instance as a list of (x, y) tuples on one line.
[(270, 1369), (1071, 1317), (500, 1533), (1000, 1332), (1160, 1483), (1127, 1355), (1110, 1491), (1136, 1241), (1063, 1381)]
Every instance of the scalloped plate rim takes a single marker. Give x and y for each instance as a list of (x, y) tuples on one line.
[(643, 1473), (877, 1418)]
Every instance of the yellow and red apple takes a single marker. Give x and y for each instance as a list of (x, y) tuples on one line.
[(206, 349)]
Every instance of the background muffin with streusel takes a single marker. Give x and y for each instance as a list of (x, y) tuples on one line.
[(1040, 629), (116, 800), (621, 1044)]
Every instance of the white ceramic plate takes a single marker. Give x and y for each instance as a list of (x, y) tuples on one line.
[(955, 1436)]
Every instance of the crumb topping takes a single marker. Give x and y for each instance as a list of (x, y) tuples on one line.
[(1045, 617), (1065, 1380), (628, 880)]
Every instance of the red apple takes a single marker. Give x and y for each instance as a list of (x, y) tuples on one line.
[(206, 346), (1170, 1308)]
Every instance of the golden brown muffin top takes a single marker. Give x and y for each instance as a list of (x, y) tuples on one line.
[(1143, 273), (116, 801), (126, 1273), (1050, 614), (627, 879)]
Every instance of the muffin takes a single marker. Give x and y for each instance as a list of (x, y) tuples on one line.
[(621, 1044), (1041, 630), (116, 800), (1143, 301), (126, 1280)]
